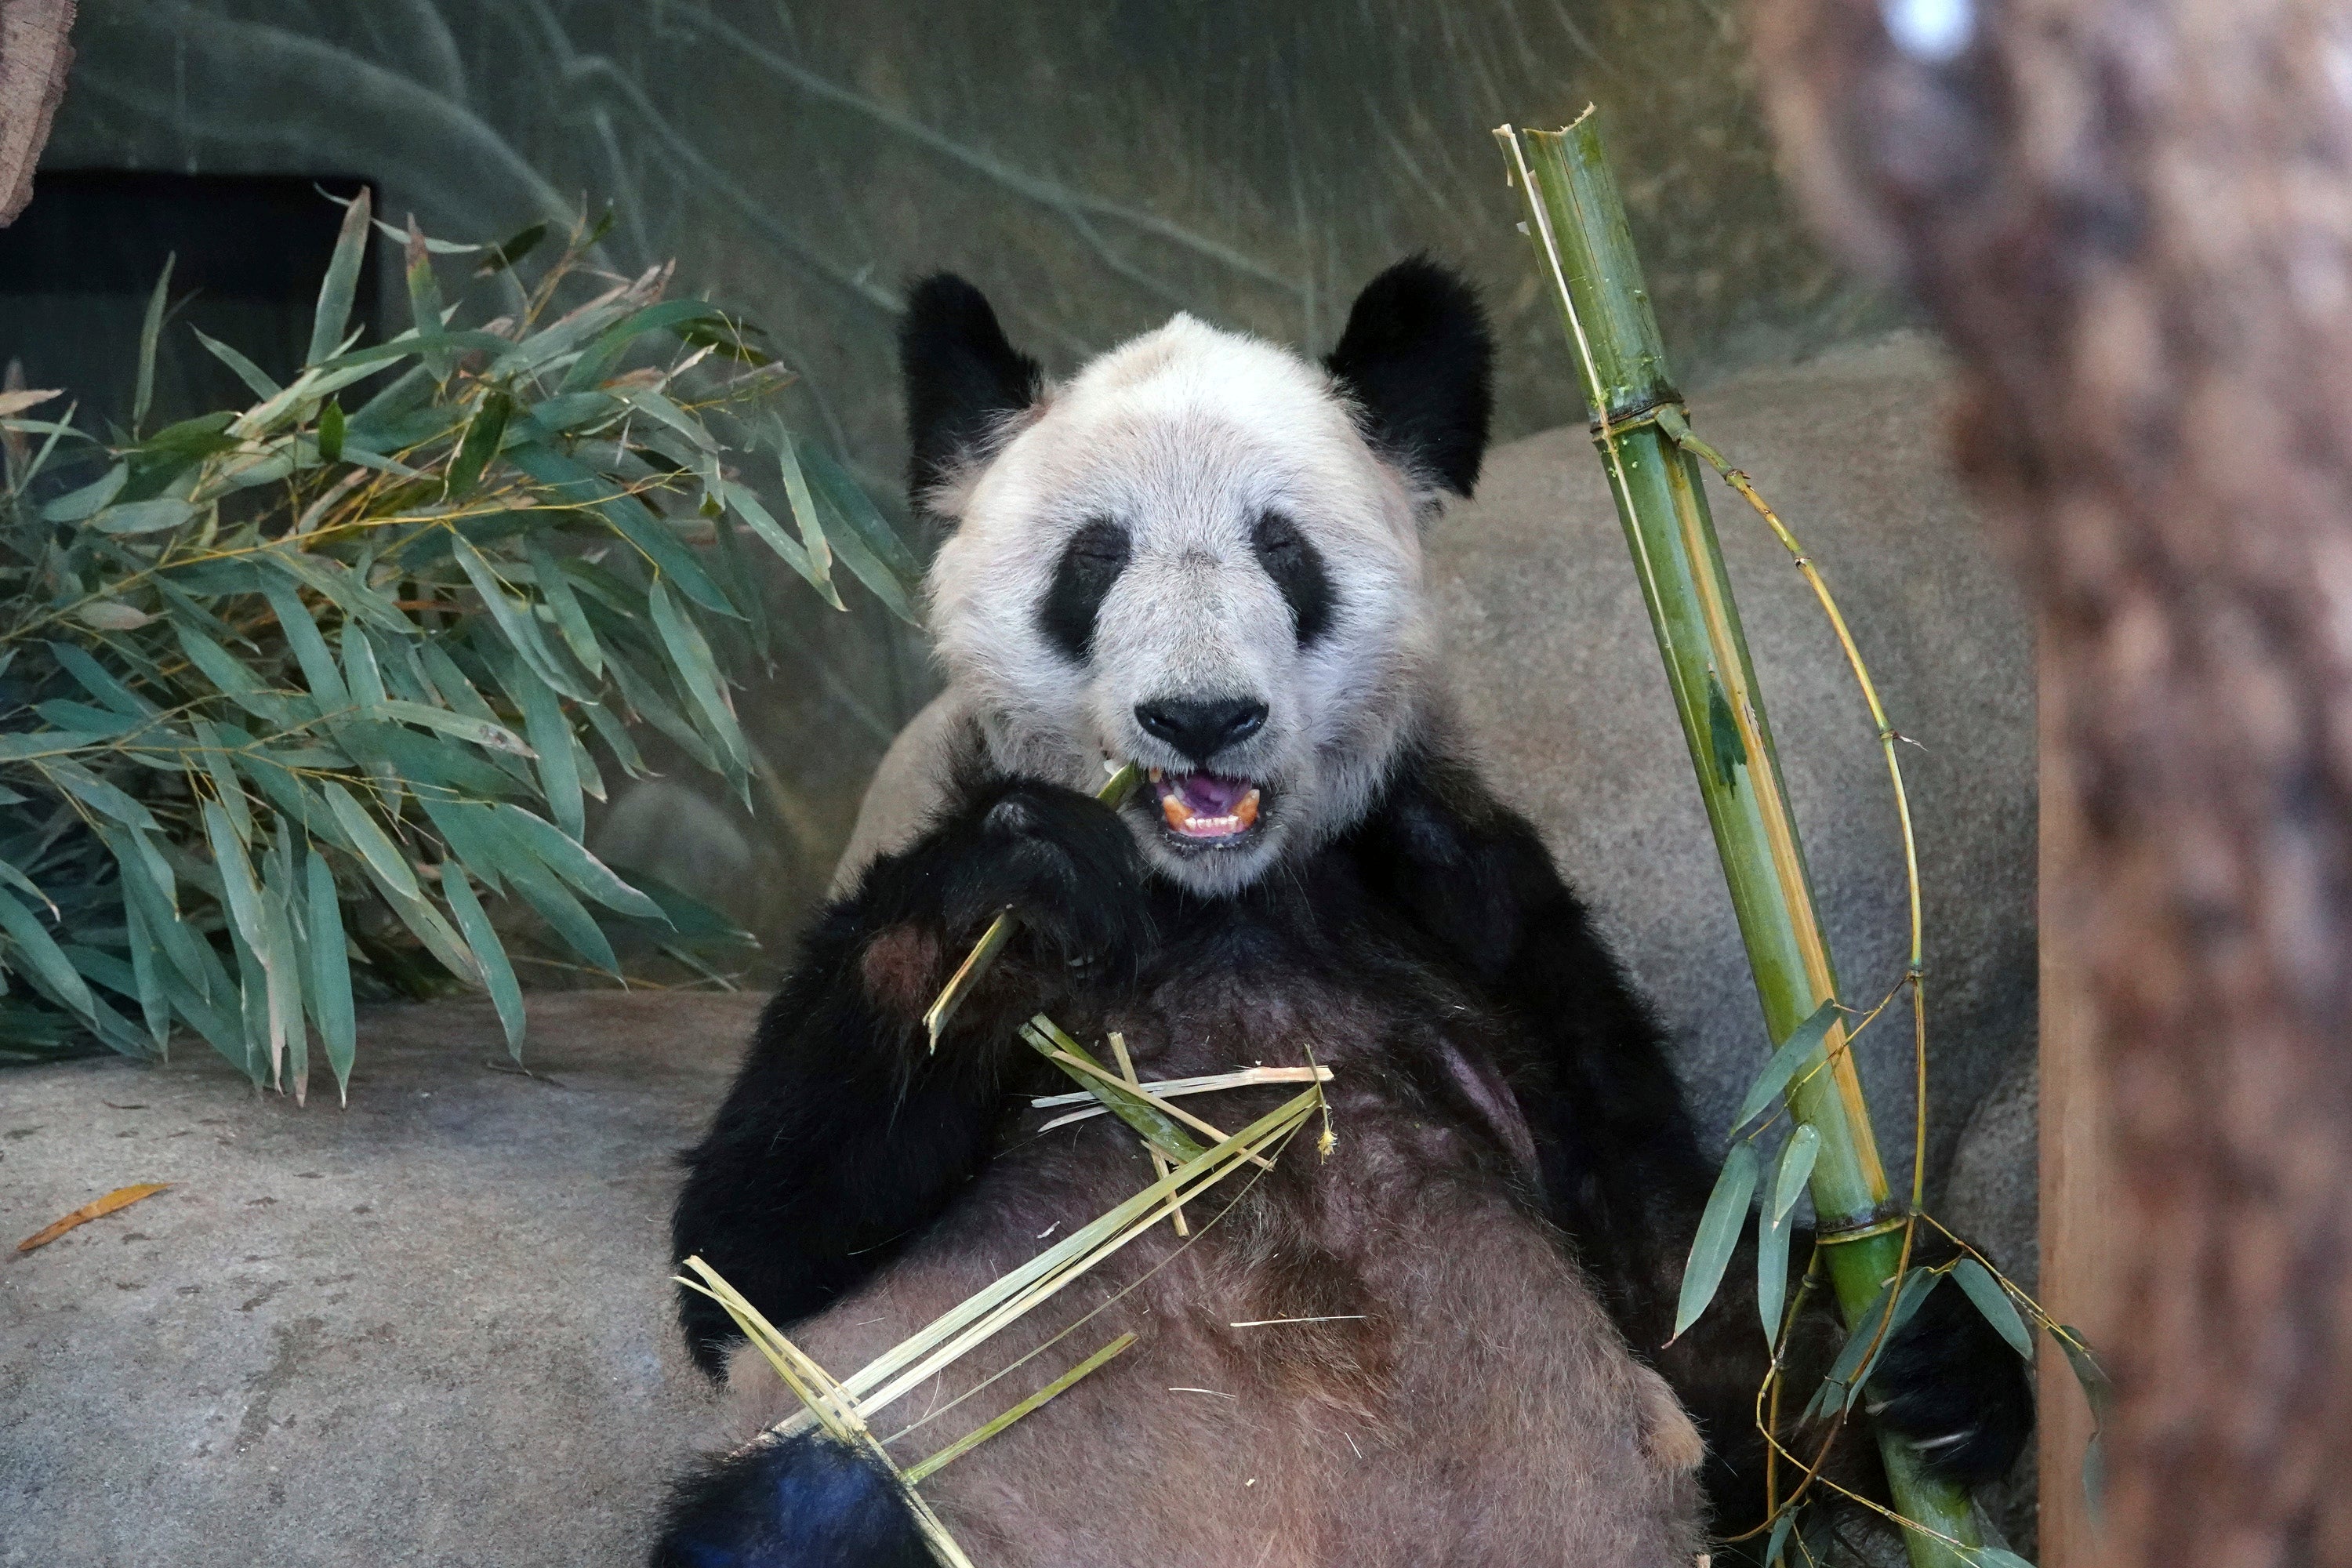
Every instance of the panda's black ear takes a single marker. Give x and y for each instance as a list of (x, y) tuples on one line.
[(1420, 363), (964, 379)]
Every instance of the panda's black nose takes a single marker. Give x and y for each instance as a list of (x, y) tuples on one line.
[(1200, 729)]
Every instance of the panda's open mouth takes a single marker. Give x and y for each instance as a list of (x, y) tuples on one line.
[(1205, 808)]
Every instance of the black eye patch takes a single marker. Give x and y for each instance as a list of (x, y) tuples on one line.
[(1090, 563), (1296, 568)]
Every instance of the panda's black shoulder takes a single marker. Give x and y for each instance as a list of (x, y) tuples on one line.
[(1441, 842)]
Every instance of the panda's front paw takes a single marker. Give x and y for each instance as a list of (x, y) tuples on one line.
[(1951, 1385), (1062, 862)]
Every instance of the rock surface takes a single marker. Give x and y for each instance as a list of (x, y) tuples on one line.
[(430, 1328)]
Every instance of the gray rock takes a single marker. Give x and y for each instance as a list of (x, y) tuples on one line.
[(431, 1328), (1556, 670)]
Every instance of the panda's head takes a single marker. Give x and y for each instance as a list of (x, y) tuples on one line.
[(1202, 553)]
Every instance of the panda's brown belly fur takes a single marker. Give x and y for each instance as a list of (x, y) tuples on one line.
[(1459, 1397)]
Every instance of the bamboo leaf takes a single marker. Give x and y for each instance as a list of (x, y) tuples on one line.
[(1774, 1225), (242, 896), (77, 504), (1858, 1358), (1993, 1301), (383, 856), (1803, 1041), (281, 963), (1718, 1234), (425, 299), (853, 506), (151, 331), (331, 425), (513, 620), (804, 513), (99, 796), (154, 1007), (659, 542), (481, 731), (1776, 1548), (252, 374), (34, 953), (646, 401), (564, 914), (94, 677), (231, 790), (489, 952), (484, 434), (564, 605), (1797, 1158), (789, 550), (194, 959), (571, 860), (550, 737), (319, 667), (144, 517), (691, 657), (109, 615), (513, 249), (342, 283), (330, 973), (363, 677), (2088, 1372), (44, 744)]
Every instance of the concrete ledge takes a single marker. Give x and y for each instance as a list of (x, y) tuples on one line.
[(430, 1328)]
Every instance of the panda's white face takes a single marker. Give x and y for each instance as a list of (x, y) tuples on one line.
[(1189, 558), (1201, 555)]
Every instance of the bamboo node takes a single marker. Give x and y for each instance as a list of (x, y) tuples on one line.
[(1862, 1232)]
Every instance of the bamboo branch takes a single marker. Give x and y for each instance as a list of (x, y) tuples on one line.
[(1576, 222)]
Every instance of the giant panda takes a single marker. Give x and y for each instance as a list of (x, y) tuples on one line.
[(1443, 1340)]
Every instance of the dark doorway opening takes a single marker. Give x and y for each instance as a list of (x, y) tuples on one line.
[(77, 268)]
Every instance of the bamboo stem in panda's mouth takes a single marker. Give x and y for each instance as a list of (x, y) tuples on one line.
[(975, 965)]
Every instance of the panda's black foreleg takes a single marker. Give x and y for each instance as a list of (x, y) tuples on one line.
[(1624, 1172), (843, 1132)]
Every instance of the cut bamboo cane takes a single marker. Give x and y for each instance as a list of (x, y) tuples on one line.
[(1576, 222)]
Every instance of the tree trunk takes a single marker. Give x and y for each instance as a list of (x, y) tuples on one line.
[(2133, 219)]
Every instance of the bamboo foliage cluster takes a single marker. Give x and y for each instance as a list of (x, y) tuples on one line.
[(286, 691), (1864, 1240)]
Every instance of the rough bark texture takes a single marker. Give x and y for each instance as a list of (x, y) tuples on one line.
[(34, 57), (2132, 219)]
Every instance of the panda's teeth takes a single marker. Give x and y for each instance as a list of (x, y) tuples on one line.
[(1172, 807), (1246, 811), (1154, 775)]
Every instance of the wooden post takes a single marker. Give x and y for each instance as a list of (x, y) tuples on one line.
[(2131, 220), (2077, 1185)]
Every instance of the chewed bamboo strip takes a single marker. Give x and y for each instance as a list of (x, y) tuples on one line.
[(1176, 1088), (829, 1403), (971, 1323), (1161, 1164), (982, 1434), (1151, 1122), (1114, 792)]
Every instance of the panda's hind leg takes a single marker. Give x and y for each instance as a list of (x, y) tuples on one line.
[(804, 1501)]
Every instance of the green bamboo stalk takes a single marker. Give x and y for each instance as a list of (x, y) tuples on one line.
[(1576, 222)]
